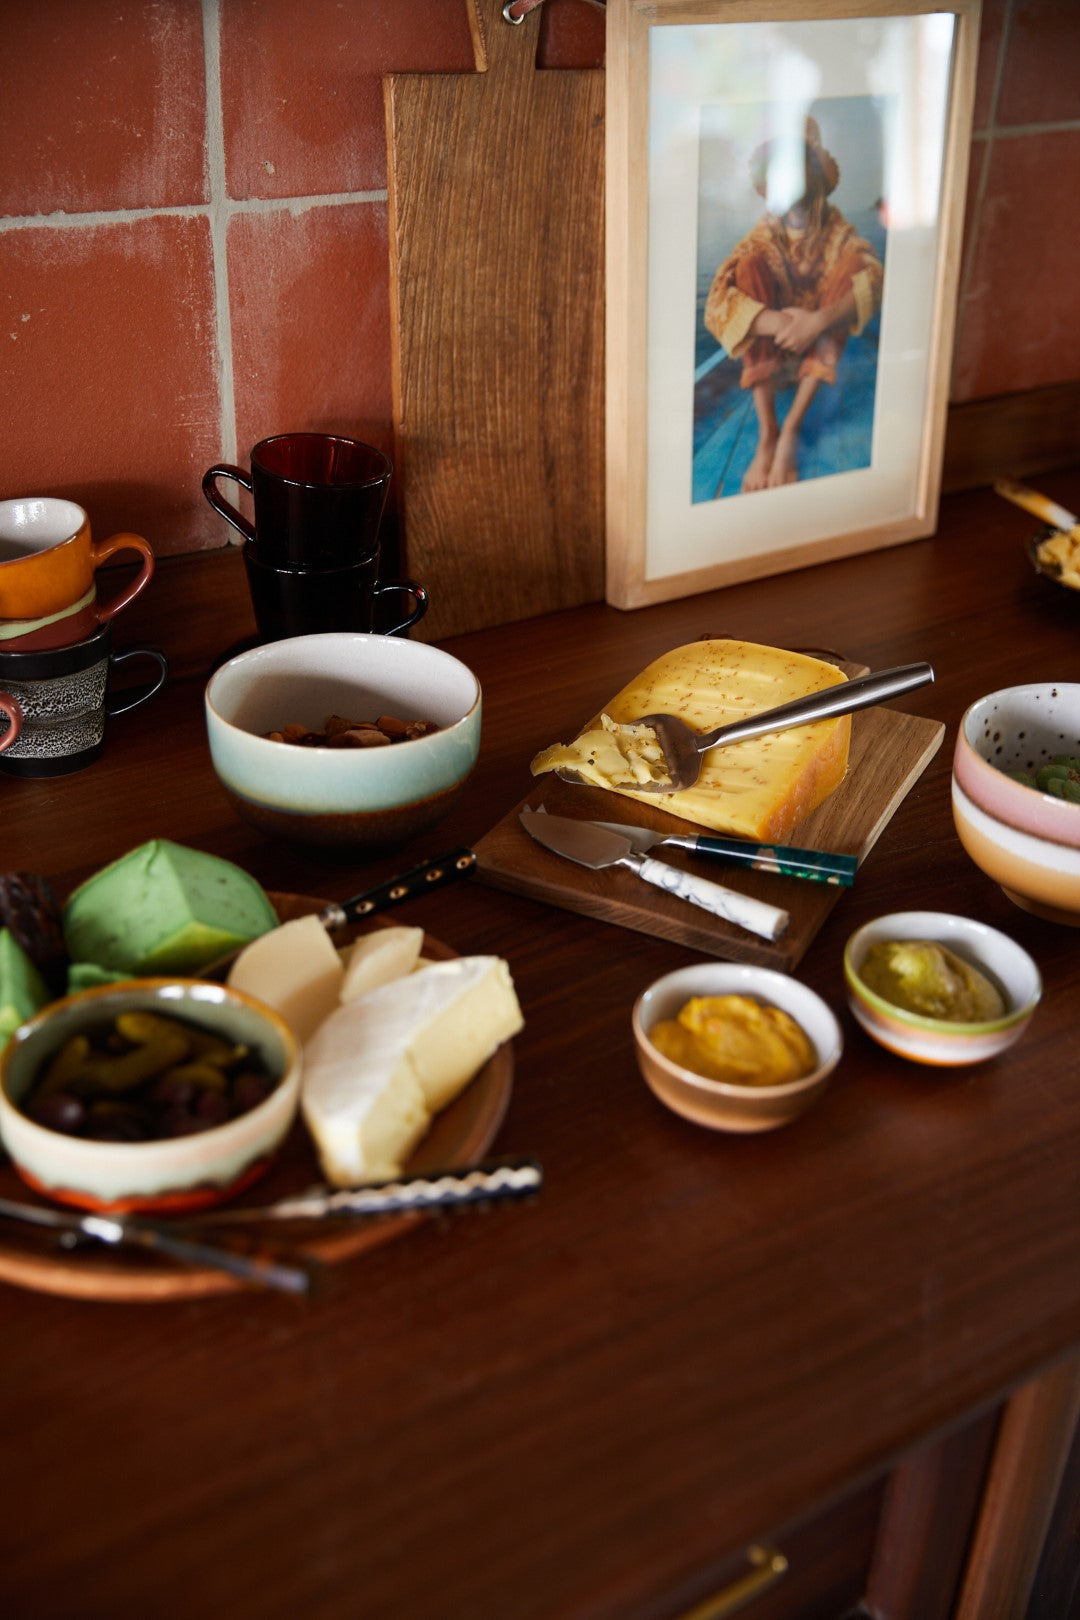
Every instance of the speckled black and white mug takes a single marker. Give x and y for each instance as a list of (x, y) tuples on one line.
[(62, 695)]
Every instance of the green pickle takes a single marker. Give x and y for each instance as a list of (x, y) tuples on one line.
[(1059, 776), (923, 977)]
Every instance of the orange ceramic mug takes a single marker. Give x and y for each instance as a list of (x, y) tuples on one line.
[(48, 560)]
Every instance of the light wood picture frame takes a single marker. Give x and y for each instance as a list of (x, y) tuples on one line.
[(736, 128)]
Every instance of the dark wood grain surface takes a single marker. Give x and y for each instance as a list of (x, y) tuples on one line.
[(583, 1408)]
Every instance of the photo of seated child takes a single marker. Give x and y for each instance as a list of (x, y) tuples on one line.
[(784, 305)]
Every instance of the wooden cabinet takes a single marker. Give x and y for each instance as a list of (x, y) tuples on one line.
[(977, 1525)]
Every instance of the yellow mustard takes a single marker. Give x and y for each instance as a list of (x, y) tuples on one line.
[(736, 1039)]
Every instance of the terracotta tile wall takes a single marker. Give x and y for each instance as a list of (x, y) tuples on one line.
[(193, 233)]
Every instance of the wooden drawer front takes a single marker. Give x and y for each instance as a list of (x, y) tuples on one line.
[(828, 1560)]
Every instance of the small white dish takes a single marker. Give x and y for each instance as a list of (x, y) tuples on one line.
[(717, 1104), (937, 1041)]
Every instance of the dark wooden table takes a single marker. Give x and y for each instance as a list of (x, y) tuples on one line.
[(586, 1407)]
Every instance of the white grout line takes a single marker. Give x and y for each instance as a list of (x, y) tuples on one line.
[(60, 220), (219, 222)]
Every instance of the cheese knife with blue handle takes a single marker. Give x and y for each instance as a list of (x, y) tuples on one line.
[(818, 865), (595, 847)]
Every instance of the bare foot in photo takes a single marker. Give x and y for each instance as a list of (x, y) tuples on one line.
[(785, 463), (757, 475)]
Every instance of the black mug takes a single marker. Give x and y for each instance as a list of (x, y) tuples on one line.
[(57, 702), (318, 498)]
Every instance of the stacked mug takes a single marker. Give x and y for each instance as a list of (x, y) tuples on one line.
[(55, 636), (312, 552)]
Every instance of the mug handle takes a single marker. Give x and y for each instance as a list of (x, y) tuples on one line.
[(101, 549), (121, 704), (220, 504), (415, 590), (9, 707)]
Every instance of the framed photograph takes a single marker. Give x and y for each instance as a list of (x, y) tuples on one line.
[(785, 198)]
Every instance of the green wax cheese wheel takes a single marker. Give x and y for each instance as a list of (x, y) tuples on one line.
[(22, 989), (164, 908)]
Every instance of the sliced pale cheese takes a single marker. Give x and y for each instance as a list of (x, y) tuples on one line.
[(380, 1066), (388, 953), (476, 1009), (296, 970), (756, 789)]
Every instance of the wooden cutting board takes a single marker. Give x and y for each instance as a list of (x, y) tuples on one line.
[(889, 752), (496, 198)]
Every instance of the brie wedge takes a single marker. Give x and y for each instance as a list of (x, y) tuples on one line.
[(379, 1067)]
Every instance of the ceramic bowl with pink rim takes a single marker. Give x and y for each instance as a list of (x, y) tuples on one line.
[(937, 1041), (1021, 729), (1035, 873)]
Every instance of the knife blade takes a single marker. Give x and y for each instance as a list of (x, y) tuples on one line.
[(594, 846), (264, 1269), (818, 865)]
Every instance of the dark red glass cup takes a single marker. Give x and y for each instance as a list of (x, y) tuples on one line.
[(318, 500), (308, 601)]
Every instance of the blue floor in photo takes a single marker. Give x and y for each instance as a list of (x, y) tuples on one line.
[(836, 436)]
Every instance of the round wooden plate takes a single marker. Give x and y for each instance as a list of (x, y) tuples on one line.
[(458, 1137)]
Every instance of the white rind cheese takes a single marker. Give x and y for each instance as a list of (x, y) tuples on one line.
[(296, 970), (379, 1067), (388, 953)]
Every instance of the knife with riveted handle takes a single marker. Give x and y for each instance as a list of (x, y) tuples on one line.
[(433, 874)]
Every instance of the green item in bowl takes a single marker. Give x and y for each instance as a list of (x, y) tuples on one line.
[(1061, 777), (23, 991), (164, 908)]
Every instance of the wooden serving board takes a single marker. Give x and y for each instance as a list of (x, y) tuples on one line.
[(889, 752), (496, 205)]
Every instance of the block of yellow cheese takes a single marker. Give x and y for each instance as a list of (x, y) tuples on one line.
[(295, 969), (379, 1067), (761, 788)]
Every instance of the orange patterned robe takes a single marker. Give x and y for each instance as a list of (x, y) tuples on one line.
[(777, 267)]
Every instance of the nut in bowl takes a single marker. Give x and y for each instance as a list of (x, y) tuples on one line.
[(343, 798), (901, 965), (726, 1105), (161, 1172)]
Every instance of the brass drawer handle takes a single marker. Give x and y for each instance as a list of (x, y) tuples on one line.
[(768, 1566)]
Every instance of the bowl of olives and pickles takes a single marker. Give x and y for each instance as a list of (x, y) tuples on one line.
[(154, 1095)]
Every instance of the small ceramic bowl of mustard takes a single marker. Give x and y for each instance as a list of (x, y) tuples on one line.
[(939, 978), (751, 1104)]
